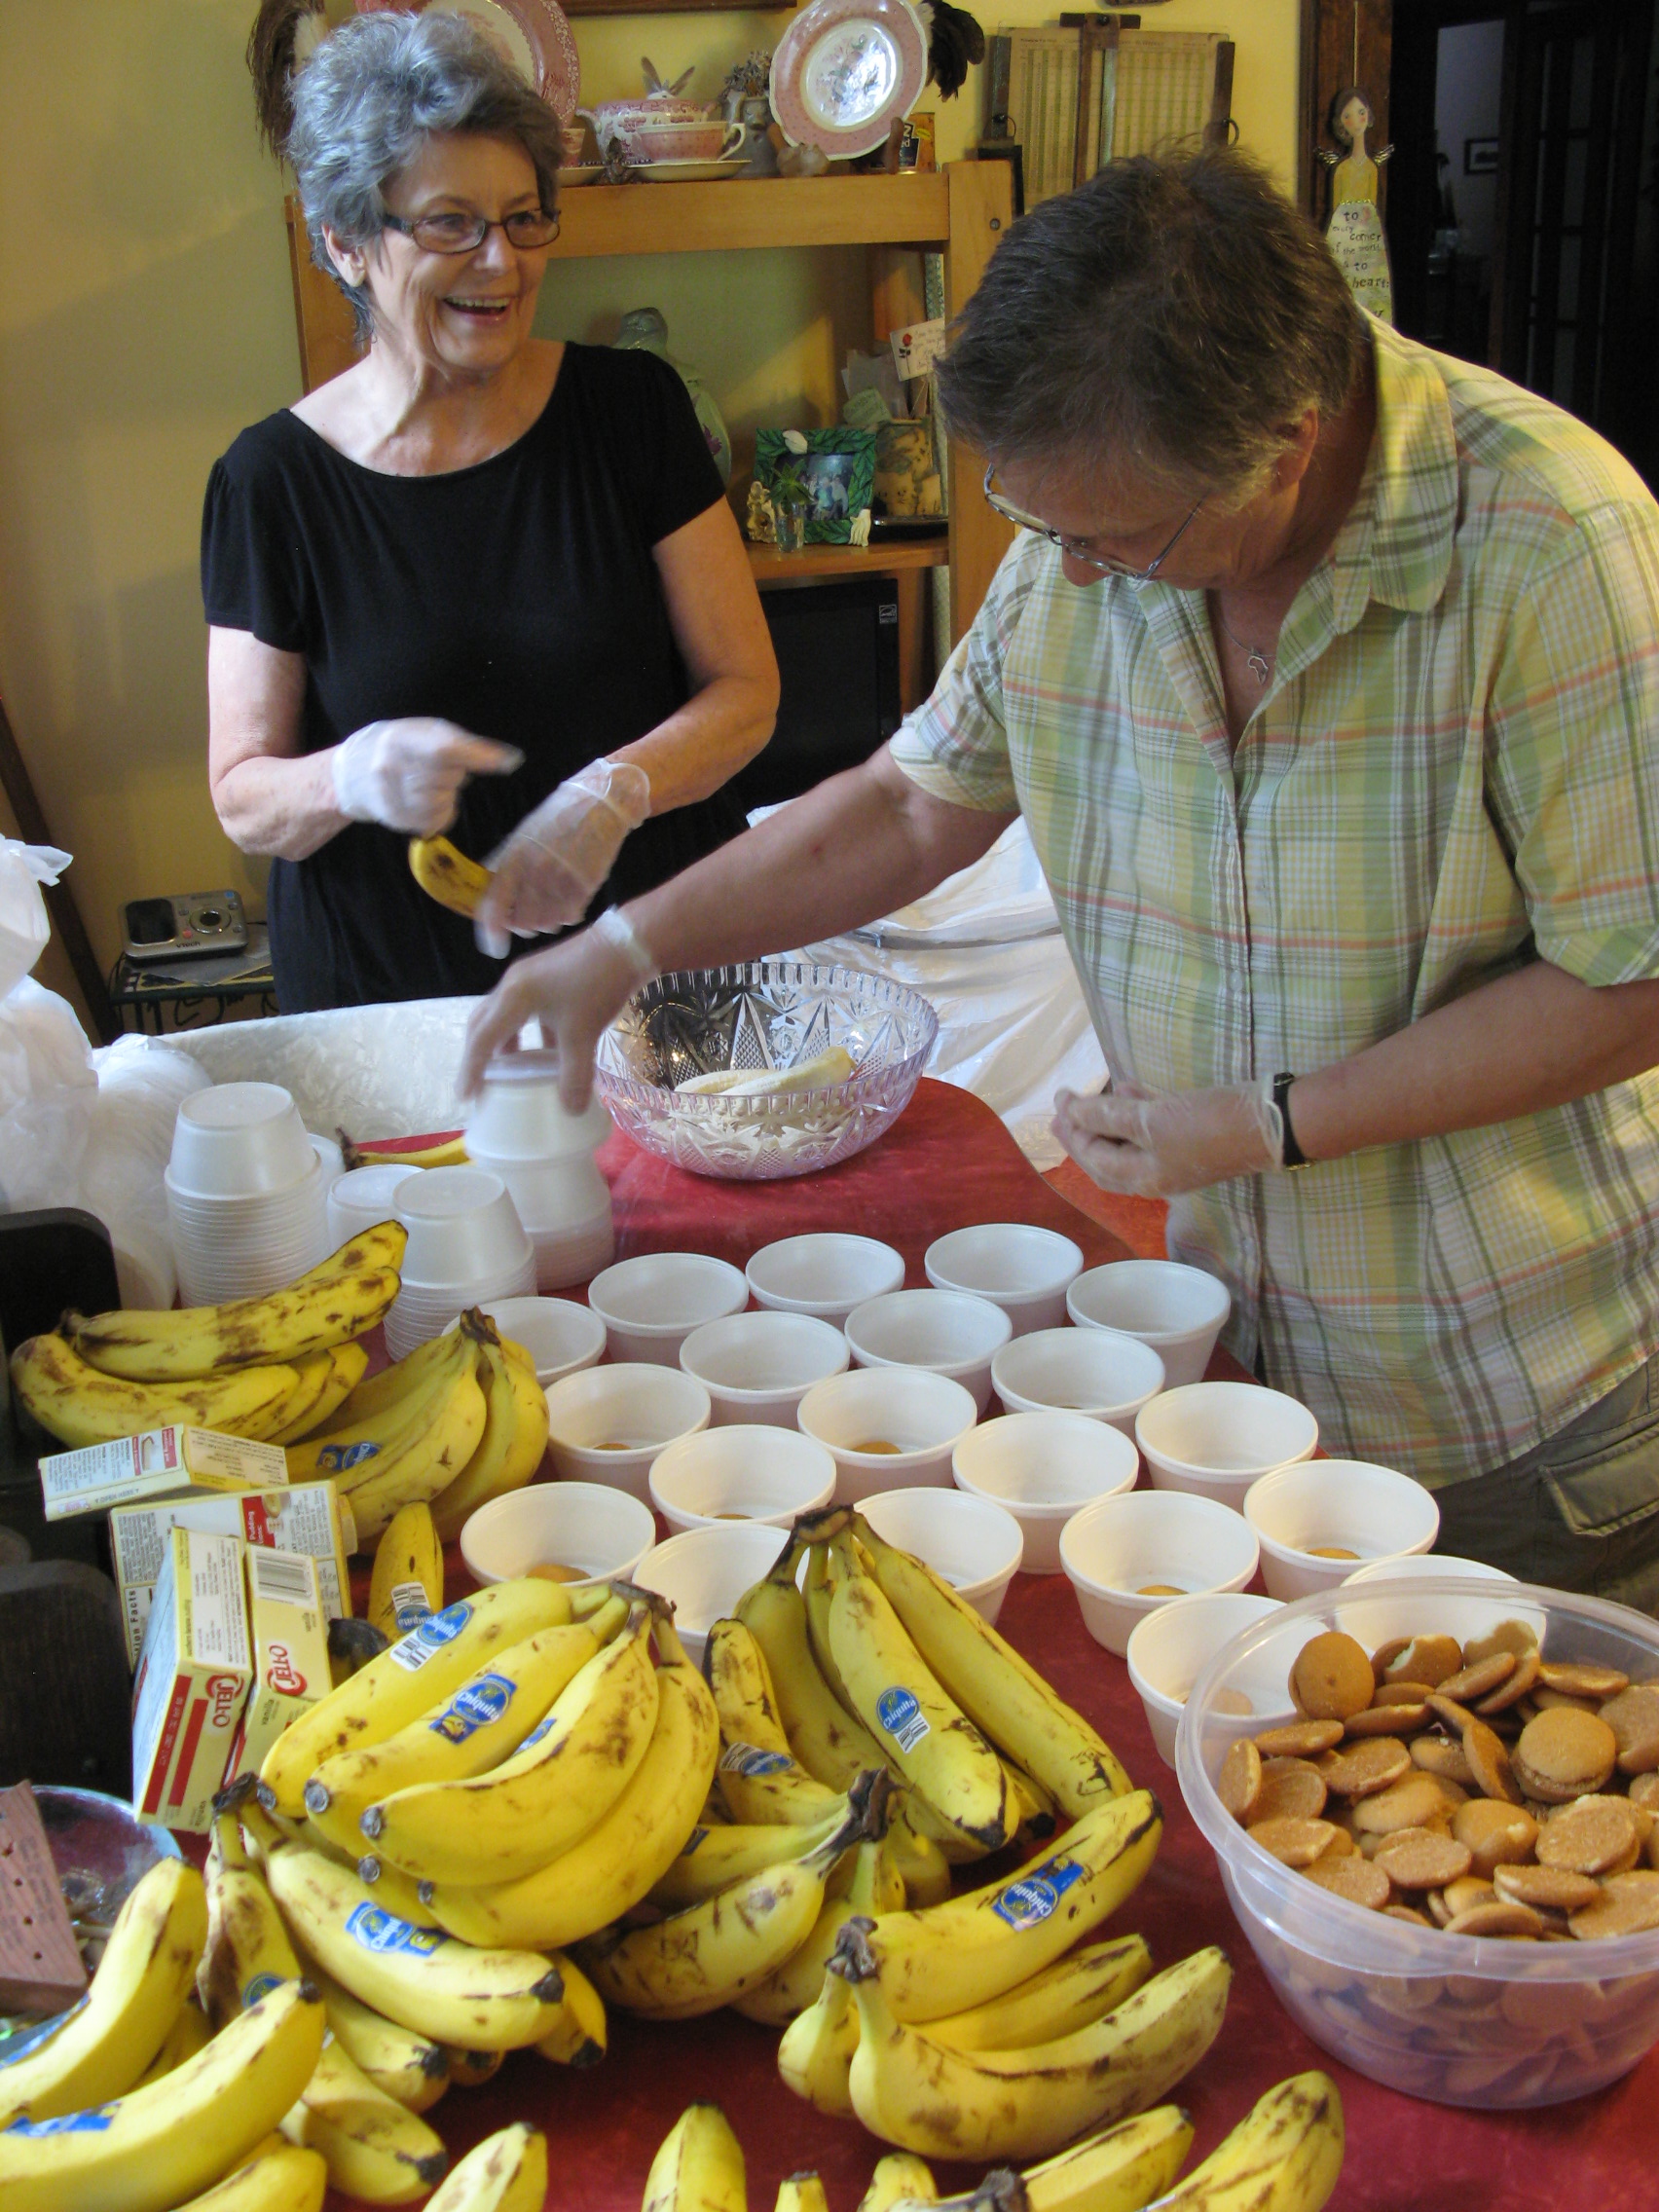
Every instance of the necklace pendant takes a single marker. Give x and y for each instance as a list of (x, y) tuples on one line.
[(1257, 664)]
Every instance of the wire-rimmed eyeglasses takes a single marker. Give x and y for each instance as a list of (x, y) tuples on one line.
[(1077, 548), (451, 232)]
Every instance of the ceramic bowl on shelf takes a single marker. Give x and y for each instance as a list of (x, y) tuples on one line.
[(1458, 2019), (764, 1014)]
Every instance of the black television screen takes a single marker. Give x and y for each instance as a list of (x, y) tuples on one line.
[(838, 647)]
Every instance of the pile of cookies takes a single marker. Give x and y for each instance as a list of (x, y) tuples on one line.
[(1478, 1788)]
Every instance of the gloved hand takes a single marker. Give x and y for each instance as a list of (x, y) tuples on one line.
[(407, 774), (574, 989), (1158, 1146), (547, 871)]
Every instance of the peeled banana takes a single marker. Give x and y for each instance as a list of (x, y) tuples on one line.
[(832, 1066), (445, 874)]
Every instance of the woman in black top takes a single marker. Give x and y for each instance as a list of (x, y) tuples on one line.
[(470, 532)]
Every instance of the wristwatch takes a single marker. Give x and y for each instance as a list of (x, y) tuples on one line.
[(1294, 1155)]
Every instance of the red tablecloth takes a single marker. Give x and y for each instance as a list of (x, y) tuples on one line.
[(947, 1163)]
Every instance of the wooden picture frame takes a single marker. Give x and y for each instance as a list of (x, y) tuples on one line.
[(837, 469)]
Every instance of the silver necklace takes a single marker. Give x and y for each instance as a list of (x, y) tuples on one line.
[(1259, 663)]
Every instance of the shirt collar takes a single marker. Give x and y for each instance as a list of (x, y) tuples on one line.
[(1397, 543)]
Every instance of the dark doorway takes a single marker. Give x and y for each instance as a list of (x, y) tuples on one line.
[(1521, 198)]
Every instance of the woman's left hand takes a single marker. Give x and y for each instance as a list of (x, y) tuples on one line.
[(543, 878), (1158, 1146)]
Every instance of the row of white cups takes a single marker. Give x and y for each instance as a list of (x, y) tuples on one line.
[(845, 1387)]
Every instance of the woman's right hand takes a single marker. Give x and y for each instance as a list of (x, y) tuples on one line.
[(407, 774), (574, 989)]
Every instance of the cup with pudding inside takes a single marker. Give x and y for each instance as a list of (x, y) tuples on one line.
[(1317, 1519), (571, 1532), (743, 1471), (606, 1424), (887, 1427), (1125, 1556)]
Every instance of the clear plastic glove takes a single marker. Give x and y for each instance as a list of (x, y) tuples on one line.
[(574, 989), (407, 774), (1155, 1146), (547, 871)]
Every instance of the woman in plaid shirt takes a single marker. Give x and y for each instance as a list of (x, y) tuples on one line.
[(1325, 671)]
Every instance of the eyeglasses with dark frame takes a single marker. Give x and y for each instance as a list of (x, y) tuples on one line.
[(1077, 548), (451, 232)]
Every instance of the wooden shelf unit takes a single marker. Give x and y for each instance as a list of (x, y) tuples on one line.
[(960, 212)]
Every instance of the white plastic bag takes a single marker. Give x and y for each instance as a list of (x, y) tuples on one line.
[(47, 1084)]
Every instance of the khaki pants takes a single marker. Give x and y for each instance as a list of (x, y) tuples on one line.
[(1581, 1512)]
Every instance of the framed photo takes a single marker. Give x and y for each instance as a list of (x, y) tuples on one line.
[(837, 474), (1480, 157)]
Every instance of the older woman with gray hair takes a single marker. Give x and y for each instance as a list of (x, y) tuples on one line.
[(480, 581), (1326, 672)]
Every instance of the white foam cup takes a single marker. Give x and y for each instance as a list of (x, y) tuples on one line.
[(825, 1274), (1025, 1269), (650, 1305), (742, 1472), (922, 1416), (1170, 1648), (591, 1525), (1176, 1310), (968, 1541), (606, 1424), (1218, 1438), (1128, 1555), (705, 1571), (1043, 1468), (948, 1332), (1313, 1508), (1098, 1372), (757, 1367)]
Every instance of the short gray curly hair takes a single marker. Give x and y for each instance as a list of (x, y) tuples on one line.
[(372, 93), (1176, 311)]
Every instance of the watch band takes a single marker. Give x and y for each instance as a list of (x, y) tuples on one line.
[(1294, 1155)]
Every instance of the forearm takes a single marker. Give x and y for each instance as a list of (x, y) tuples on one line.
[(844, 854), (704, 743), (1533, 1039), (284, 808)]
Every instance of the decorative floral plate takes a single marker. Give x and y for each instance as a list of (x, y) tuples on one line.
[(844, 70)]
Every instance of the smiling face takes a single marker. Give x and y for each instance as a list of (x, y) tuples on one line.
[(462, 314)]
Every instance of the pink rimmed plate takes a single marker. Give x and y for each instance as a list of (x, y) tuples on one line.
[(844, 70)]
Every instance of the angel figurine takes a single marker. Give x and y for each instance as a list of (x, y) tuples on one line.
[(1354, 232)]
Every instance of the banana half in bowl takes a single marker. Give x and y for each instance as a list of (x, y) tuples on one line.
[(773, 1068)]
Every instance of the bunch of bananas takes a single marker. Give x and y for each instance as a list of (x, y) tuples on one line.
[(462, 1420), (1285, 2156), (271, 1368), (873, 1730)]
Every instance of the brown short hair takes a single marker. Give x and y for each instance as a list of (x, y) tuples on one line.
[(1175, 313)]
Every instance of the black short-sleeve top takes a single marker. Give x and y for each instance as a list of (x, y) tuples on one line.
[(518, 598)]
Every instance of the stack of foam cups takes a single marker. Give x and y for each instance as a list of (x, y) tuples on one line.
[(466, 1247), (247, 1193), (520, 1131)]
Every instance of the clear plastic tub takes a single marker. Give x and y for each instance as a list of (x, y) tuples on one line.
[(1458, 2019)]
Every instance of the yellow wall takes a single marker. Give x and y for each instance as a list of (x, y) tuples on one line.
[(145, 316)]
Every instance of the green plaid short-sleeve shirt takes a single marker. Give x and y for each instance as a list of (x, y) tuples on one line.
[(1455, 770)]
